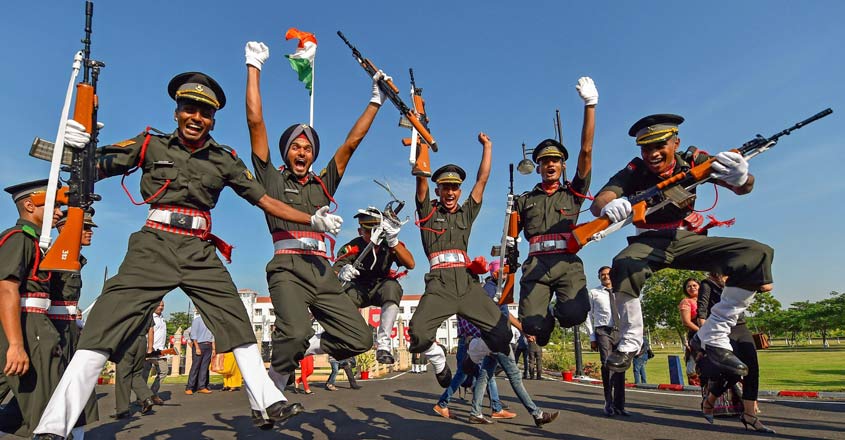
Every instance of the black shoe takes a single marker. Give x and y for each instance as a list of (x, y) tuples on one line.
[(277, 412), (120, 415), (147, 405), (47, 437), (476, 420), (544, 418), (621, 412), (444, 378), (620, 361), (355, 387), (608, 409), (157, 400), (384, 357), (726, 361)]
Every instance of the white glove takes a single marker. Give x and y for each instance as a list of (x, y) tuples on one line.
[(588, 91), (256, 54), (617, 210), (348, 273), (391, 231), (75, 134), (378, 95), (731, 168), (322, 221), (376, 234)]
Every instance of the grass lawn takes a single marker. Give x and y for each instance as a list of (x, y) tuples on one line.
[(808, 368)]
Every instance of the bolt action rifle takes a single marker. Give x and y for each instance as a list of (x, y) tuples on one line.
[(418, 158), (63, 255), (676, 189), (392, 92), (509, 258)]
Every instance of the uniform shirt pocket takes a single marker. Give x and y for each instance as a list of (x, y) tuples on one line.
[(164, 170), (212, 182)]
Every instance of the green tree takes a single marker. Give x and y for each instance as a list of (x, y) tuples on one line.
[(176, 320), (661, 295), (764, 313)]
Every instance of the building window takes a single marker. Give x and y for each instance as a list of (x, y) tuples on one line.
[(257, 313), (413, 309), (257, 328), (454, 325), (270, 312), (443, 325), (442, 341)]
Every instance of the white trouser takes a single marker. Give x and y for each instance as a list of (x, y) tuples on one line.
[(389, 312), (259, 387), (437, 357), (630, 322), (723, 317), (72, 393), (314, 345)]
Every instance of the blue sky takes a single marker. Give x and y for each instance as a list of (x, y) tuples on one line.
[(732, 69)]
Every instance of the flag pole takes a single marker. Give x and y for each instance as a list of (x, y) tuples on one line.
[(313, 80)]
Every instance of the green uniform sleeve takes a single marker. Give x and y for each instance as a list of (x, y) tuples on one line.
[(347, 254), (120, 157), (243, 182), (423, 207), (14, 262), (582, 186), (331, 176), (472, 208)]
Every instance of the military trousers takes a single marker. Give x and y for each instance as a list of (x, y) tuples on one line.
[(128, 376), (297, 284), (31, 392), (156, 263), (452, 291), (543, 276), (747, 263), (382, 292)]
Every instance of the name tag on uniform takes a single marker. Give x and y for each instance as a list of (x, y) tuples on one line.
[(530, 206), (440, 220), (163, 163), (292, 190)]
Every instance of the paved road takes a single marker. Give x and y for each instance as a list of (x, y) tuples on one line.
[(401, 408)]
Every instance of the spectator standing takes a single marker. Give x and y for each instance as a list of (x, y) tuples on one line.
[(306, 368), (202, 342), (604, 336), (688, 308), (156, 340), (535, 359), (640, 360), (346, 365)]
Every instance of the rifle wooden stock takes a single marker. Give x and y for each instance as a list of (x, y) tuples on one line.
[(510, 272), (64, 253), (583, 234)]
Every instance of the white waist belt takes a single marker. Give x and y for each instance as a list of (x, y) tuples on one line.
[(304, 243), (447, 258), (36, 303), (177, 220), (547, 245), (62, 310)]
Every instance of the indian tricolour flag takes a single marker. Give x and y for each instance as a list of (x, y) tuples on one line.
[(302, 61)]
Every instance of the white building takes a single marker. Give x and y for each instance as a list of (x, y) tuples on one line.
[(262, 318)]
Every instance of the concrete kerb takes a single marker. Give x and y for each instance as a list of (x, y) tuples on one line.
[(691, 388)]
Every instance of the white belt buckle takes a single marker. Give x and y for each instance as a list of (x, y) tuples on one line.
[(309, 244)]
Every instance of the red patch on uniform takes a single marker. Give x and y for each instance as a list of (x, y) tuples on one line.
[(631, 166)]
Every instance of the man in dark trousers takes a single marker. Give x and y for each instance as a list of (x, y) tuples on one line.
[(184, 173), (373, 284), (673, 237), (451, 287), (603, 338), (30, 354), (128, 378), (535, 359), (299, 275), (202, 350)]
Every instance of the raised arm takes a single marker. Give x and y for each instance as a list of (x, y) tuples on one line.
[(483, 168), (361, 127), (587, 89), (256, 54)]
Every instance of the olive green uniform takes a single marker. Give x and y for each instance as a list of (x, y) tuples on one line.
[(298, 282), (66, 286), (453, 290), (747, 263), (374, 286), (128, 377), (555, 272), (31, 392), (158, 261)]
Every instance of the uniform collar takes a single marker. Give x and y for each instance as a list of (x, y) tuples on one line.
[(30, 225)]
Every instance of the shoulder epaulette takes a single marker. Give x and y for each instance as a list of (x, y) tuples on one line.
[(154, 131), (228, 149), (634, 164), (29, 230)]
